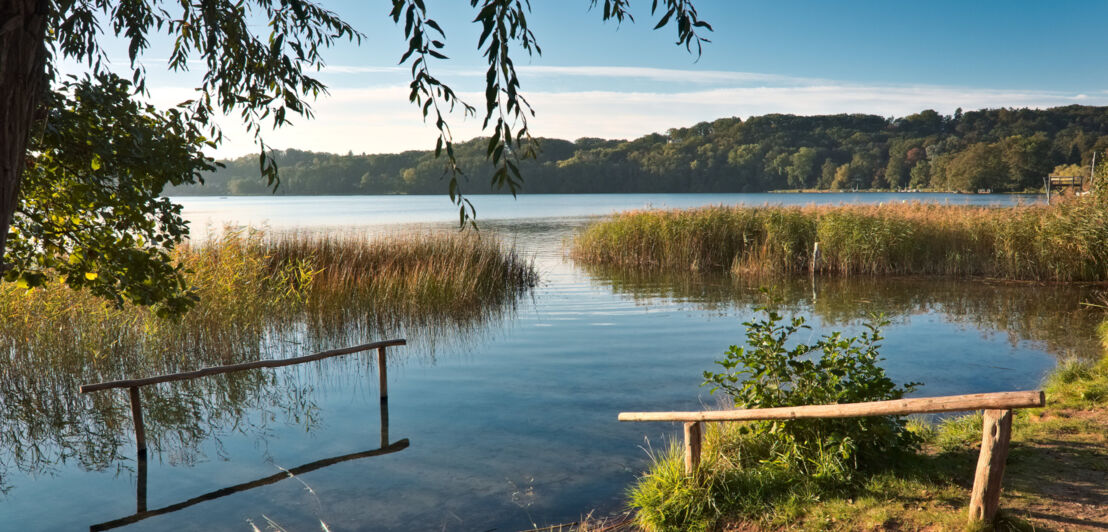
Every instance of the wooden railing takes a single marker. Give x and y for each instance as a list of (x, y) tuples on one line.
[(985, 497), (133, 385), (1066, 181)]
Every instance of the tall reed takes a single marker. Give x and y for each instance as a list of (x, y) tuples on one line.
[(416, 275), (1063, 242)]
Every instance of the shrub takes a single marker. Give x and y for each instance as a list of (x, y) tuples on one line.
[(770, 471), (768, 373)]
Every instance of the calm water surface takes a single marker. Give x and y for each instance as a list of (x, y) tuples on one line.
[(343, 212), (512, 421)]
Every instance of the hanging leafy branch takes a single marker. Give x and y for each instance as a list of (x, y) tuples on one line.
[(258, 76), (687, 21), (504, 26), (425, 41)]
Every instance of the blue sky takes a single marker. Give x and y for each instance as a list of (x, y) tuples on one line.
[(596, 79)]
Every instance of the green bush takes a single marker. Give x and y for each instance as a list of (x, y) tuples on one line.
[(768, 373)]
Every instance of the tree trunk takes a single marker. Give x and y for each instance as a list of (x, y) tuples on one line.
[(22, 75)]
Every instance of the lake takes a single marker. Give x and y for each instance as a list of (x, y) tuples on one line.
[(510, 419)]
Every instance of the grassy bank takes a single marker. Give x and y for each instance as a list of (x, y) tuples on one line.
[(1064, 242), (259, 297), (1056, 477)]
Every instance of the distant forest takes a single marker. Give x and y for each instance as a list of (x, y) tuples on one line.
[(997, 149)]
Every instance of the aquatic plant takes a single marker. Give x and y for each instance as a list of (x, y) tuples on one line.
[(1067, 241)]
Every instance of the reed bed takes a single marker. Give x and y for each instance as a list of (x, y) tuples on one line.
[(413, 275), (1065, 242), (260, 296)]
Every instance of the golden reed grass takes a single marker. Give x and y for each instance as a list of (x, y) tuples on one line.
[(247, 282), (1067, 241)]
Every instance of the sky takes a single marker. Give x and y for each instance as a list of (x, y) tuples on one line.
[(596, 79)]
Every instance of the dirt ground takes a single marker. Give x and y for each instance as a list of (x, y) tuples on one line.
[(1061, 482)]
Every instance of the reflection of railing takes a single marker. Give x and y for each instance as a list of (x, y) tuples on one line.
[(142, 513), (133, 385), (985, 497)]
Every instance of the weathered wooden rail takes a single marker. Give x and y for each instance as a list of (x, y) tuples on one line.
[(997, 430), (1057, 182), (133, 385)]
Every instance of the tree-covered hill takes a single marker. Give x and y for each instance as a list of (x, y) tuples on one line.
[(997, 149)]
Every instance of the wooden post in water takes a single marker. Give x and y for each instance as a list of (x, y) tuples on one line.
[(140, 430), (815, 258), (692, 447), (382, 373), (985, 498)]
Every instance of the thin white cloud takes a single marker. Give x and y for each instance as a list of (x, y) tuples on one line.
[(380, 119), (348, 69), (663, 74), (669, 75)]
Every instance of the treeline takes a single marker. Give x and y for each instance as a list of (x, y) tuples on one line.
[(997, 149)]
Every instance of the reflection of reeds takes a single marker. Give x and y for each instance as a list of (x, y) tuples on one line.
[(260, 297), (1064, 242), (1051, 315)]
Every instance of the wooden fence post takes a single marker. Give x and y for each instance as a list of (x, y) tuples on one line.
[(136, 413), (985, 498), (382, 373), (692, 447)]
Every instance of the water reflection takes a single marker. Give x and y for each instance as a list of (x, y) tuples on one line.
[(1050, 315), (142, 513), (46, 424)]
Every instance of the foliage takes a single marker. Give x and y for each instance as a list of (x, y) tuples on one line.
[(82, 196), (1069, 170), (768, 373), (264, 79), (90, 210), (999, 149)]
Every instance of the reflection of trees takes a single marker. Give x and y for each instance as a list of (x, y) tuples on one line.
[(54, 342), (1048, 314)]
